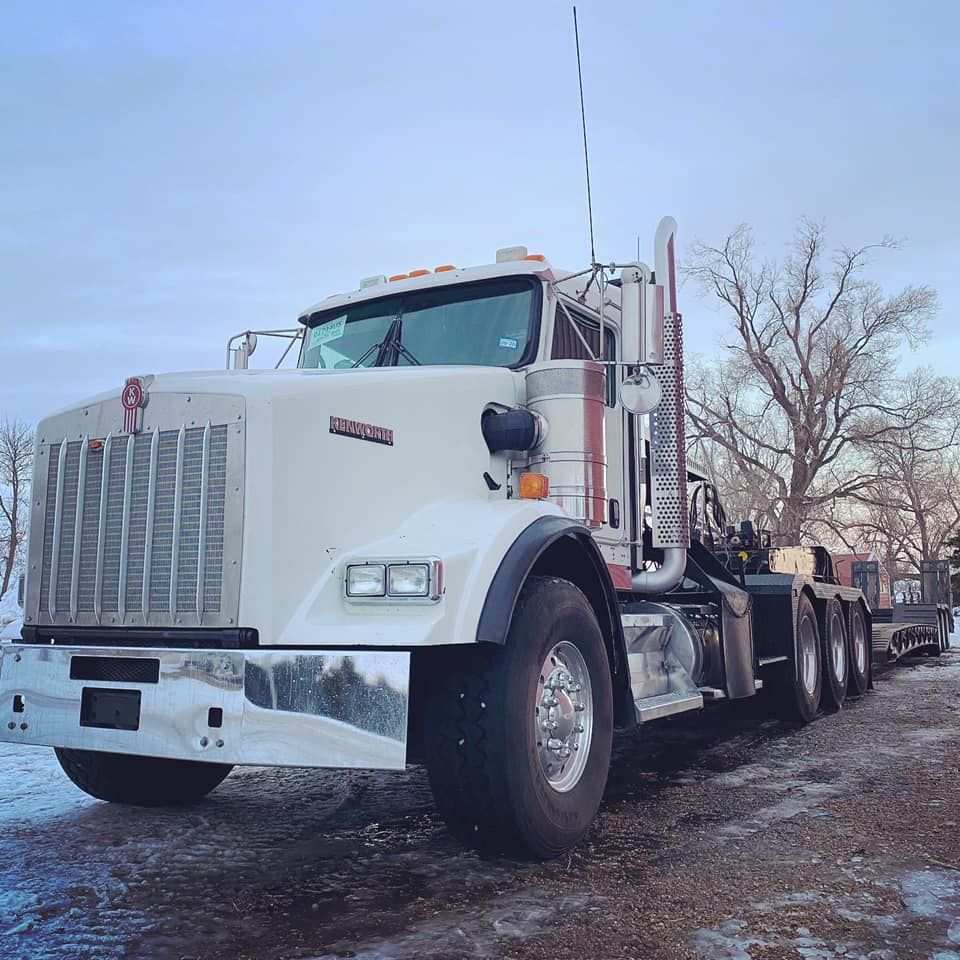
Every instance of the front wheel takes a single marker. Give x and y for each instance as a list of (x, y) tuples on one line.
[(518, 736), (140, 781)]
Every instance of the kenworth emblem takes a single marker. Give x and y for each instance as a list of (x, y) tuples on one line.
[(360, 430), (134, 399)]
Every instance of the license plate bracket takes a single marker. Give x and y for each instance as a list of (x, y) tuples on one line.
[(110, 709)]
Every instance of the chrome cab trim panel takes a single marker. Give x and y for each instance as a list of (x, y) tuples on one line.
[(139, 529), (277, 708)]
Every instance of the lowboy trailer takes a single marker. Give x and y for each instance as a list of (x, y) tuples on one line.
[(457, 533)]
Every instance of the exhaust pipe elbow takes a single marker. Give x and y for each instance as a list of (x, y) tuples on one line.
[(666, 577)]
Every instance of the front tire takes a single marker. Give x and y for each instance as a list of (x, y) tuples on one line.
[(140, 781), (518, 736)]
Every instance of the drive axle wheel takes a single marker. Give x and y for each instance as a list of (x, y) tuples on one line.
[(517, 737), (796, 693), (140, 781), (861, 650), (836, 659)]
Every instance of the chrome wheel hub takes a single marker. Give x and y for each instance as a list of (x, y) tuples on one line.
[(859, 645), (838, 648), (808, 656), (563, 716)]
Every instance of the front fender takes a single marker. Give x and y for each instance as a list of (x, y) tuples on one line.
[(471, 537)]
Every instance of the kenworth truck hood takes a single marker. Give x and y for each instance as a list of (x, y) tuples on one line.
[(294, 473)]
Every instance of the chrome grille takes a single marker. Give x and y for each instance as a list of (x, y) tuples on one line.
[(134, 528)]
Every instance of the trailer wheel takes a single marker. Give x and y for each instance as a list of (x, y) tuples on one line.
[(140, 781), (861, 649), (836, 657), (517, 737)]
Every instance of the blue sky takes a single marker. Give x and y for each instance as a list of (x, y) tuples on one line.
[(171, 173)]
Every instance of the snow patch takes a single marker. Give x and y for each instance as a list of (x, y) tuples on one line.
[(11, 613)]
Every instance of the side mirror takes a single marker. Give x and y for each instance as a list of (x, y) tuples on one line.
[(641, 393), (641, 315), (240, 355)]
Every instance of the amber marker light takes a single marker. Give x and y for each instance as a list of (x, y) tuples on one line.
[(534, 486), (444, 267), (397, 276), (418, 273), (539, 257)]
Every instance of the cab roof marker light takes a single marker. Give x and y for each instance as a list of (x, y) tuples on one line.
[(444, 267), (539, 257), (372, 281), (397, 276), (418, 273), (506, 254)]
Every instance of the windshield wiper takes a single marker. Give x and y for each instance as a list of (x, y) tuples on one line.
[(382, 347), (389, 348), (404, 352)]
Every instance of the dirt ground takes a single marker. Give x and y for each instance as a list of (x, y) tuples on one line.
[(722, 836)]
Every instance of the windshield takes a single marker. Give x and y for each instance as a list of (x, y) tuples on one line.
[(489, 323)]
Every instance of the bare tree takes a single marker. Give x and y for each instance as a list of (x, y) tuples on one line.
[(16, 463), (807, 380), (908, 510)]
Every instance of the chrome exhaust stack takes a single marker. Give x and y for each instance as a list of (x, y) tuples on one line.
[(668, 466)]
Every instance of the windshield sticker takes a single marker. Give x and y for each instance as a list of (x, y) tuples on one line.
[(510, 342), (332, 330)]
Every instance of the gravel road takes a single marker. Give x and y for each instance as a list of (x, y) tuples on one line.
[(722, 836)]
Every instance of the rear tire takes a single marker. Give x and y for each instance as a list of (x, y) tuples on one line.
[(140, 781), (861, 650), (497, 781), (835, 652), (797, 696)]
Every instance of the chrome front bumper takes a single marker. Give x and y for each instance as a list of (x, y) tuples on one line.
[(276, 708)]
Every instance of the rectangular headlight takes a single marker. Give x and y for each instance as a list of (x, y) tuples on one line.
[(408, 580), (366, 580)]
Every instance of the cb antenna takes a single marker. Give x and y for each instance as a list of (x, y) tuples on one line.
[(586, 157)]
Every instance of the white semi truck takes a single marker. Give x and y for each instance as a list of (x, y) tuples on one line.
[(457, 533)]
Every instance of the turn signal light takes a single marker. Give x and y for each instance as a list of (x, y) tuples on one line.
[(534, 486)]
